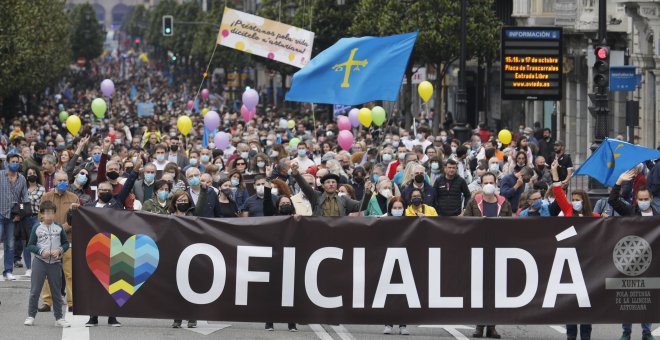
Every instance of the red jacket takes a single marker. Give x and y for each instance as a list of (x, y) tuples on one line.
[(564, 204)]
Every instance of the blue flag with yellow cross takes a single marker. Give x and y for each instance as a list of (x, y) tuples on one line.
[(354, 71)]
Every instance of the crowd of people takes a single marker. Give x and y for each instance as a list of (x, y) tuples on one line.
[(126, 161)]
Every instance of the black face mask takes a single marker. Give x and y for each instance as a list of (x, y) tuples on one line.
[(174, 148), (113, 175), (419, 178), (358, 179), (227, 192), (105, 197), (32, 178), (37, 157), (286, 209), (128, 170), (182, 207)]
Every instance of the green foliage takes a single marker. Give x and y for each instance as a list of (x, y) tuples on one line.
[(86, 33), (35, 47), (137, 23)]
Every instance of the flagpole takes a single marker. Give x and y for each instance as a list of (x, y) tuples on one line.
[(314, 120)]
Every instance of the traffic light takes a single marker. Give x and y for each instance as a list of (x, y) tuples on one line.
[(601, 69), (168, 25)]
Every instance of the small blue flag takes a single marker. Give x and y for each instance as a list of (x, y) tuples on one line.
[(354, 71), (614, 157)]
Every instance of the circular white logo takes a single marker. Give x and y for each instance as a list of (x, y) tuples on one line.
[(632, 255)]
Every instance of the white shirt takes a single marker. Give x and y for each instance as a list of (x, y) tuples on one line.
[(158, 166), (173, 158), (304, 163), (194, 195)]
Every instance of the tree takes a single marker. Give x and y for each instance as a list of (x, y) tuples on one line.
[(35, 45), (137, 23), (86, 34)]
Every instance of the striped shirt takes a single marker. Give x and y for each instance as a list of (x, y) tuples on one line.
[(11, 193)]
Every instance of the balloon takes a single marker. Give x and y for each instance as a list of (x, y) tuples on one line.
[(184, 124), (504, 136), (204, 111), (61, 106), (112, 135), (205, 94), (248, 114), (63, 116), (294, 142), (221, 140), (343, 123), (73, 124), (345, 139), (99, 107), (283, 123), (107, 87), (250, 98), (290, 124), (190, 105), (364, 116), (211, 120), (425, 90), (353, 117), (378, 115)]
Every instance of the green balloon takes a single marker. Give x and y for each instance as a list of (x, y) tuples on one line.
[(294, 142), (378, 115), (63, 116), (99, 107)]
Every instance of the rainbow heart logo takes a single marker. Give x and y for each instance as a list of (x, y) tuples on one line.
[(122, 268)]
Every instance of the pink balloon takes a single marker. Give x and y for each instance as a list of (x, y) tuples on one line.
[(221, 140), (248, 114), (190, 105), (211, 120), (353, 117), (205, 94), (250, 98), (345, 139), (343, 123)]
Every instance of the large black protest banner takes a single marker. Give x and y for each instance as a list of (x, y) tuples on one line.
[(367, 270)]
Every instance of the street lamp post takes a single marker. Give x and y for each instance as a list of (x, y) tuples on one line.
[(460, 130)]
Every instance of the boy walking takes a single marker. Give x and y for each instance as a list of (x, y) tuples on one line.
[(48, 242)]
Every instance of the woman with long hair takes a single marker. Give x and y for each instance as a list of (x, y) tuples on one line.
[(228, 206), (238, 187)]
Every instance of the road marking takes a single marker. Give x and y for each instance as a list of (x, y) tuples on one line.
[(656, 332), (559, 329), (570, 232), (451, 329), (77, 331), (206, 328), (343, 333), (320, 332)]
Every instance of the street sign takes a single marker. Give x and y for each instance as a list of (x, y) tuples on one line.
[(531, 63), (623, 78)]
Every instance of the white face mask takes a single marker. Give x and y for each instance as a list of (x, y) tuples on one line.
[(453, 149), (387, 193), (577, 205), (644, 205), (341, 194), (260, 189), (318, 182), (489, 189), (397, 212), (274, 191), (494, 167)]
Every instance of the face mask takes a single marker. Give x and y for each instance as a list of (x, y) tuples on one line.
[(261, 164), (32, 178), (289, 172), (205, 158), (37, 157), (419, 178), (644, 205), (193, 162), (302, 153), (160, 157), (149, 178), (182, 207), (244, 155), (521, 164), (453, 149), (163, 195), (387, 157), (318, 182), (435, 166), (358, 179), (173, 174), (416, 201), (174, 148), (386, 193), (260, 190), (274, 191), (489, 189), (62, 186), (105, 197), (234, 182), (274, 153), (443, 138), (395, 144), (286, 209), (577, 205), (227, 192), (96, 158), (194, 182), (494, 167), (269, 142), (537, 205), (81, 179), (113, 175), (374, 178), (14, 167), (540, 167), (397, 212), (341, 194)]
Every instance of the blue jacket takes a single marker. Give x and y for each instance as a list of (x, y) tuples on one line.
[(428, 194)]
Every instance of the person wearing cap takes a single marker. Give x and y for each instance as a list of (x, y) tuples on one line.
[(329, 203), (529, 133), (565, 168)]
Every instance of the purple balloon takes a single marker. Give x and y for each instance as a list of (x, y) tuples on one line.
[(250, 99), (353, 117), (107, 87), (221, 140), (211, 120)]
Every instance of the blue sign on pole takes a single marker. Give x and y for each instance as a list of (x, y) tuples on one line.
[(623, 78), (340, 110)]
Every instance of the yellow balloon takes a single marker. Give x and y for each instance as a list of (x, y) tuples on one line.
[(364, 116), (73, 124), (505, 136), (290, 124), (184, 124), (425, 90), (204, 111)]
